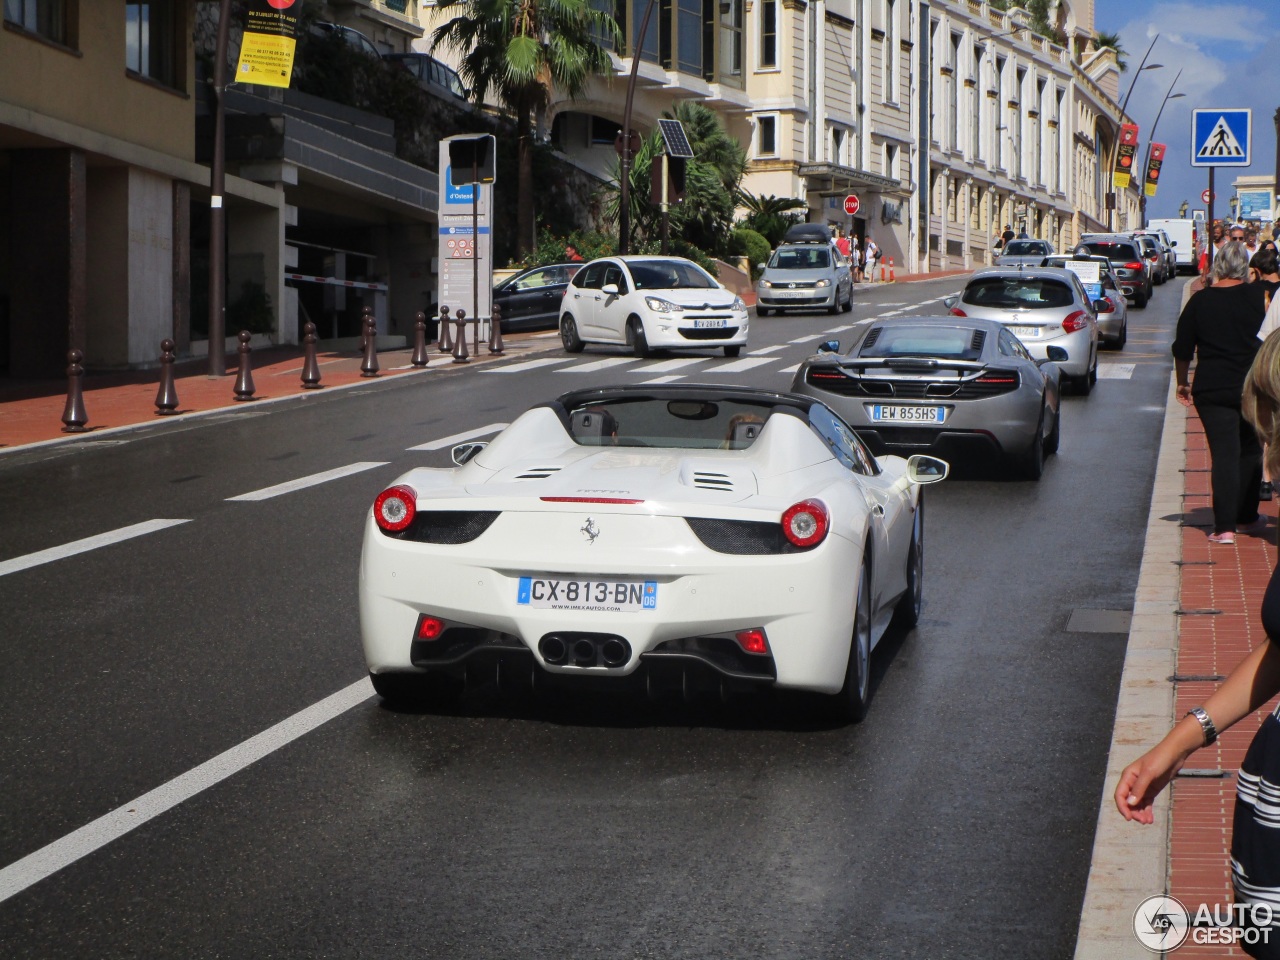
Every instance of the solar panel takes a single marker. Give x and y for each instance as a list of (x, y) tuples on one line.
[(673, 136)]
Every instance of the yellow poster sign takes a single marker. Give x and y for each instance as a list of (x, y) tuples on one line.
[(265, 59)]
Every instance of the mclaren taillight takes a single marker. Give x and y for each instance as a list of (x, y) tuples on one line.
[(1076, 321), (395, 508), (806, 523), (753, 640), (999, 377), (957, 312), (819, 374)]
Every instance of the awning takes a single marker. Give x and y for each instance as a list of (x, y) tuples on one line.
[(841, 179)]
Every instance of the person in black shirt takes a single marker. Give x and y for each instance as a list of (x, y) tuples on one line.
[(1255, 839), (1219, 330)]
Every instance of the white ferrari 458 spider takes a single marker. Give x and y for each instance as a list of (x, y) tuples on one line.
[(665, 536)]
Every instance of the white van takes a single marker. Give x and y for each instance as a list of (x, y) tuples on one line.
[(1185, 236)]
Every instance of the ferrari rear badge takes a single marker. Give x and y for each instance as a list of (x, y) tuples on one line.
[(590, 530)]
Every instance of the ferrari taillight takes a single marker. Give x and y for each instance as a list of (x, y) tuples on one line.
[(1076, 321), (753, 640), (395, 508), (429, 628), (805, 524)]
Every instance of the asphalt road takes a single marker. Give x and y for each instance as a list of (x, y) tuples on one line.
[(956, 821)]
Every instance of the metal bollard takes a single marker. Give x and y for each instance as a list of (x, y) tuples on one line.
[(244, 379), (73, 415), (369, 366), (420, 358), (495, 331), (167, 395), (460, 338), (446, 346), (310, 365)]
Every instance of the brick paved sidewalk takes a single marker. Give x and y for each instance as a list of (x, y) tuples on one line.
[(31, 411), (1231, 580)]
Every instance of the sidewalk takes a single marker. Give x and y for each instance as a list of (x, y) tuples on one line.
[(1196, 615), (31, 411)]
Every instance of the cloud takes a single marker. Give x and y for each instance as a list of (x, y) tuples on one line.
[(1205, 23)]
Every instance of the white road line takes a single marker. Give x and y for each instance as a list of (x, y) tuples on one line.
[(604, 364), (85, 545), (802, 340), (661, 380), (737, 366), (461, 437), (528, 365), (840, 329), (763, 350), (266, 493), (667, 365), (891, 304), (791, 369), (34, 867), (1116, 371)]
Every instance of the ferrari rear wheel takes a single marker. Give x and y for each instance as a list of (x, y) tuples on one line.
[(850, 704), (912, 602), (417, 689)]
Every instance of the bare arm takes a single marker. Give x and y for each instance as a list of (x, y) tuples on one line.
[(1182, 371), (1254, 681)]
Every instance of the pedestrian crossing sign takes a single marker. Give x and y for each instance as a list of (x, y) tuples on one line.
[(1221, 138)]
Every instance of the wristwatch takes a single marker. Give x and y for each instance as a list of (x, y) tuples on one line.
[(1206, 724)]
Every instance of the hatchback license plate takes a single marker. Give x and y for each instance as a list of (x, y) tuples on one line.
[(612, 596), (1025, 331), (883, 413), (708, 324)]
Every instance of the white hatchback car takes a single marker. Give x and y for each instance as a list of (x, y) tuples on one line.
[(651, 303)]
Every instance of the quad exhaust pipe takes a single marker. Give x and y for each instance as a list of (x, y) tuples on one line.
[(585, 650)]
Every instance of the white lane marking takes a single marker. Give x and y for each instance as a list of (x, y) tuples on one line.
[(791, 369), (85, 545), (666, 365), (461, 437), (604, 364), (528, 365), (802, 340), (661, 380), (839, 329), (289, 486), (892, 305), (1116, 371), (65, 851), (738, 366), (763, 350)]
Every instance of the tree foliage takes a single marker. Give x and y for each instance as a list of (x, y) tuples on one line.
[(1112, 40)]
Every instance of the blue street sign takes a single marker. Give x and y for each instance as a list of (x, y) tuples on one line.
[(1221, 138)]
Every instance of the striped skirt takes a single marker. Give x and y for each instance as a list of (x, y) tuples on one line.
[(1255, 840)]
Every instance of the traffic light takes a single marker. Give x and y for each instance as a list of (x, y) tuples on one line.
[(471, 160)]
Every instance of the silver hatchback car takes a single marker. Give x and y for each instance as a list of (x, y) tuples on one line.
[(804, 275), (1041, 306)]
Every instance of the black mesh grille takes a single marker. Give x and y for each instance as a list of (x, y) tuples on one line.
[(743, 537), (447, 526), (708, 333), (979, 339), (872, 337), (908, 436)]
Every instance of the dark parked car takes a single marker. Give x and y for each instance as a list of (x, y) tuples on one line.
[(531, 299)]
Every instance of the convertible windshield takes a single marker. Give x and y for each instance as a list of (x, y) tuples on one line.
[(1026, 248), (922, 340), (1027, 293), (652, 422), (669, 275), (801, 258)]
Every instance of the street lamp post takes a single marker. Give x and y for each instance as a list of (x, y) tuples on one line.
[(1142, 197), (217, 211), (1115, 145), (624, 157)]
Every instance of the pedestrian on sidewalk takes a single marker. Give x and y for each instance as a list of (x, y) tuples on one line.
[(871, 253), (1255, 837), (1218, 329)]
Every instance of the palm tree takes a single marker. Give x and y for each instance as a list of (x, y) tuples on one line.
[(1112, 40), (524, 50)]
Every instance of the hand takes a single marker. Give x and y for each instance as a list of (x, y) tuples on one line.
[(1142, 781), (1184, 394)]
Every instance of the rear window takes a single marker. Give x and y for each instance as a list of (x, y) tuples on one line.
[(923, 340), (1026, 248), (1024, 293), (1112, 250), (692, 423), (669, 275), (801, 258)]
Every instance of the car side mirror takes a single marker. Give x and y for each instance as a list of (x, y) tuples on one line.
[(1173, 243), (1057, 354), (759, 266), (609, 289), (922, 469), (829, 346), (466, 452), (1101, 306), (950, 302)]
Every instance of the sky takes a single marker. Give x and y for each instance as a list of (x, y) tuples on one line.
[(1229, 54)]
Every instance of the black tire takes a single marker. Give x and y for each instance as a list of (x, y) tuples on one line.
[(636, 339), (1123, 338), (835, 304), (1140, 300), (1052, 441), (733, 349), (907, 612), (848, 304), (762, 311), (851, 703), (417, 690), (569, 335), (1033, 458)]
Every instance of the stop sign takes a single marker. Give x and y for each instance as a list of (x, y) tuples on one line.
[(851, 204)]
